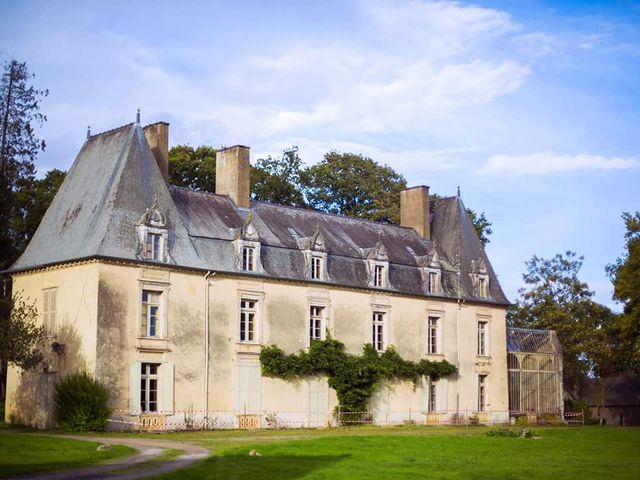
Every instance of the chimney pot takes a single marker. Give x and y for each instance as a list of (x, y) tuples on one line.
[(414, 210), (157, 135), (232, 174)]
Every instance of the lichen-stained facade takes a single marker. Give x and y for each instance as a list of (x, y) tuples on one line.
[(167, 296)]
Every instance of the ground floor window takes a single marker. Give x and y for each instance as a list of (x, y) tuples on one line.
[(378, 331), (149, 387), (482, 393)]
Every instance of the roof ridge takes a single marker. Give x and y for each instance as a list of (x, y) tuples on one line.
[(112, 130)]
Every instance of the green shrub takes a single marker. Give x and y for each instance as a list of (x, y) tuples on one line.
[(522, 421), (502, 432), (81, 403), (578, 406)]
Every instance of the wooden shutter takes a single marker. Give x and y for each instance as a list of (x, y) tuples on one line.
[(442, 395), (166, 375), (134, 388), (474, 392)]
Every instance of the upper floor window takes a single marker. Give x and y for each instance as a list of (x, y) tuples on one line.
[(316, 267), (153, 234), (49, 310), (482, 338), (483, 286), (433, 335), (378, 276), (433, 282), (378, 324), (149, 387), (248, 258), (150, 321), (248, 320), (482, 393), (316, 322), (152, 246)]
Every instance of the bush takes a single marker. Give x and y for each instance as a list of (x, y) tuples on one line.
[(578, 406), (522, 421), (502, 432), (81, 403)]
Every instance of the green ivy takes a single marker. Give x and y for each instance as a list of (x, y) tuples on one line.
[(353, 377)]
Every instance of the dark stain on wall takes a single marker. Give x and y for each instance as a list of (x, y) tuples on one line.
[(287, 324)]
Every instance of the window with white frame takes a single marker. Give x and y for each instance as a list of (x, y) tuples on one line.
[(248, 320), (49, 301), (483, 286), (378, 276), (482, 393), (316, 322), (433, 398), (482, 338), (433, 282), (316, 267), (433, 335), (378, 324), (149, 387), (153, 246), (248, 258), (150, 322)]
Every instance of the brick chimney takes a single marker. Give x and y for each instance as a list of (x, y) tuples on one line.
[(157, 135), (232, 174), (414, 210)]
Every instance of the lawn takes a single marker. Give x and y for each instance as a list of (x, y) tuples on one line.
[(413, 452), (22, 453)]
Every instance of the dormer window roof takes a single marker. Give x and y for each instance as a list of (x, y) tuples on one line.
[(378, 264), (247, 246), (315, 255), (153, 234)]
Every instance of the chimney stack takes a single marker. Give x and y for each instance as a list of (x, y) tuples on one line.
[(157, 135), (232, 174), (414, 210)]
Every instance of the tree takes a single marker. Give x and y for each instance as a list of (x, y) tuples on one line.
[(19, 146), (556, 299), (277, 180), (482, 225), (32, 204), (20, 335), (356, 186), (625, 275), (193, 168)]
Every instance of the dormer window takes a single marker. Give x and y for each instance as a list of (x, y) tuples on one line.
[(378, 276), (433, 281), (483, 286), (480, 278), (153, 235), (316, 267), (248, 258)]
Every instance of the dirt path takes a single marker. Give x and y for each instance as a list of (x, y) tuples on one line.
[(139, 465)]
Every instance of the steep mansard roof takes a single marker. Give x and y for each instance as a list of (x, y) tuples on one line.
[(115, 178)]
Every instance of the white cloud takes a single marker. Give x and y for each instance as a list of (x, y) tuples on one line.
[(547, 163)]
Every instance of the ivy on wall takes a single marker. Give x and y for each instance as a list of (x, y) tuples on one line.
[(353, 377)]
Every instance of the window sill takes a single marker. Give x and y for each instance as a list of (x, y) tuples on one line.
[(435, 355)]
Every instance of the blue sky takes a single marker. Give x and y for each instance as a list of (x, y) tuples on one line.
[(531, 107)]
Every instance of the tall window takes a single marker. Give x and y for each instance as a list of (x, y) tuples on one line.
[(378, 276), (248, 259), (248, 313), (378, 331), (150, 322), (482, 393), (482, 338), (149, 387), (153, 246), (432, 396), (316, 317), (316, 268), (433, 330), (49, 310), (433, 282), (483, 286)]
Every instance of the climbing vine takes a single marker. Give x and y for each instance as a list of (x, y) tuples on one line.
[(353, 377)]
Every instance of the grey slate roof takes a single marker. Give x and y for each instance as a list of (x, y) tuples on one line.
[(115, 178), (527, 340)]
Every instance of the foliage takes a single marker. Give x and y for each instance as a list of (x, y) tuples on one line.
[(193, 168), (19, 146), (81, 403), (355, 186), (555, 298), (502, 432), (571, 405), (625, 275), (20, 335), (353, 377), (522, 421), (277, 180), (482, 225)]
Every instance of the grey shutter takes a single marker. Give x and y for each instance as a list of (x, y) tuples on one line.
[(134, 388), (167, 391)]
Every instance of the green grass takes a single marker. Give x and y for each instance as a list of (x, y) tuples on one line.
[(414, 452), (22, 453)]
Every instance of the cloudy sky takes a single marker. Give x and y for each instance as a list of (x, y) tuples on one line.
[(531, 107)]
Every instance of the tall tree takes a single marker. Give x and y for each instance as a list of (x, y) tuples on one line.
[(354, 185), (277, 180), (193, 168), (19, 146), (555, 298), (625, 275), (482, 225)]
